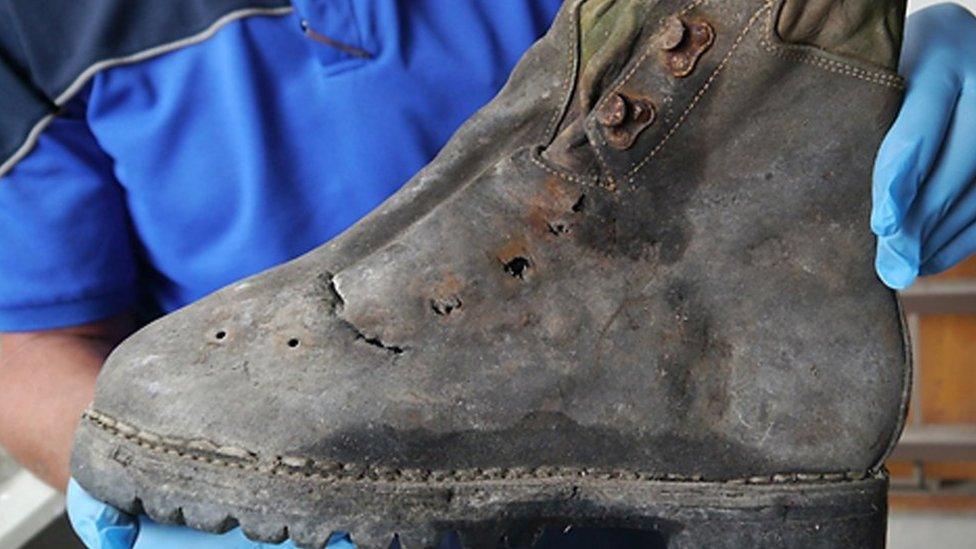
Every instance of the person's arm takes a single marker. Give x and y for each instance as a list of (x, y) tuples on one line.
[(46, 381)]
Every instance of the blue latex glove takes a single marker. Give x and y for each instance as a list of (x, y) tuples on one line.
[(925, 176), (103, 527)]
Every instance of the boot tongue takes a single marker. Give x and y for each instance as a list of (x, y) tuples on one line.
[(610, 29), (609, 32), (867, 30)]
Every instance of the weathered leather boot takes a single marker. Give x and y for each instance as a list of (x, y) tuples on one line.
[(636, 290)]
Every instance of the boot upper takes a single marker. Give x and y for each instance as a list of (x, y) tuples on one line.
[(650, 254)]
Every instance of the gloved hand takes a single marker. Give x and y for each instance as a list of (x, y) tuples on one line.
[(102, 527), (925, 175)]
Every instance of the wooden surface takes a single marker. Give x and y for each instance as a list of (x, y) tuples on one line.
[(965, 270), (947, 373)]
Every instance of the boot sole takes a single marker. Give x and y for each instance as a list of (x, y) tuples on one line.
[(214, 490)]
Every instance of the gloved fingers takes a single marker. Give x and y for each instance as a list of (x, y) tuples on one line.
[(959, 217), (952, 240), (935, 29), (904, 256), (912, 146), (957, 250), (99, 526), (898, 260), (952, 177), (340, 540), (899, 256), (154, 535)]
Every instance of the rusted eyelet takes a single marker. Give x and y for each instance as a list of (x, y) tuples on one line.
[(624, 118), (673, 33), (681, 56), (614, 111)]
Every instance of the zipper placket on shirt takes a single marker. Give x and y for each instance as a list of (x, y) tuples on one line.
[(341, 46)]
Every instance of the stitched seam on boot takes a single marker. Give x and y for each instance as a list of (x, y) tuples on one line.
[(567, 89), (907, 385), (698, 96), (603, 161), (333, 471), (648, 50), (536, 159), (569, 78), (568, 86), (837, 67), (620, 84), (803, 54)]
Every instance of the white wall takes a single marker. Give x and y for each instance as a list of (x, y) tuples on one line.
[(931, 529)]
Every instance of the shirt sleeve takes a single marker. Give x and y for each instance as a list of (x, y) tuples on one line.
[(66, 254)]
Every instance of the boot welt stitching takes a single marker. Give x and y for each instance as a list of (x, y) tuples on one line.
[(334, 472)]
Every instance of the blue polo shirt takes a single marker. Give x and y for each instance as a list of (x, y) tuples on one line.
[(167, 178)]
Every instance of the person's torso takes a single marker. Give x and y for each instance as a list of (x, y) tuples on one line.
[(277, 132)]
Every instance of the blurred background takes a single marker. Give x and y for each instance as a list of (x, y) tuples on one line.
[(933, 495)]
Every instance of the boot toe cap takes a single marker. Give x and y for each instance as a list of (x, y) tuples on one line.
[(260, 363)]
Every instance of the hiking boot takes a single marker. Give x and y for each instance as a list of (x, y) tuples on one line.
[(635, 291)]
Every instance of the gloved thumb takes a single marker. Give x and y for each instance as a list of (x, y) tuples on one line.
[(99, 526)]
